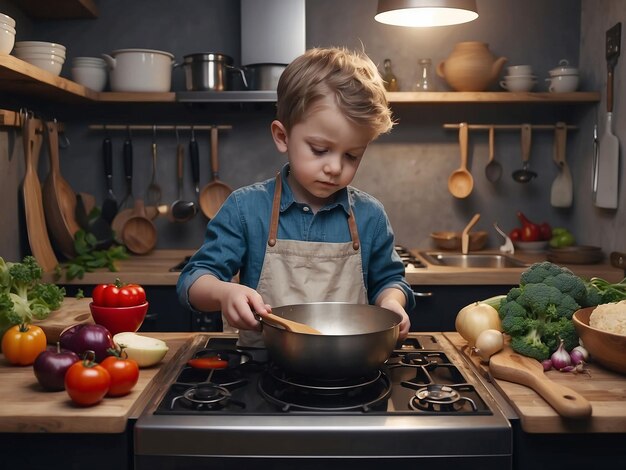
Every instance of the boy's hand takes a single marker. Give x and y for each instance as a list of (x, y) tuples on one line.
[(392, 299), (239, 304)]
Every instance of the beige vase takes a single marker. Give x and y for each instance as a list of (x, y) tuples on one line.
[(471, 67)]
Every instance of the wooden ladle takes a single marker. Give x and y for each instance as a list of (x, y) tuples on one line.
[(139, 233), (216, 192), (289, 325), (460, 182)]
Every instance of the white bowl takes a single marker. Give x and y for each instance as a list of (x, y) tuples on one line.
[(94, 78), (28, 55), (520, 70), (518, 83), (40, 50), (6, 19), (563, 83), (93, 61), (54, 45), (51, 65), (7, 39)]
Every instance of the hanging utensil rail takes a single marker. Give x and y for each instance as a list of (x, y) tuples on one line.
[(506, 127), (151, 127)]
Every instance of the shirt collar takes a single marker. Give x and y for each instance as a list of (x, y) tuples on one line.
[(286, 199)]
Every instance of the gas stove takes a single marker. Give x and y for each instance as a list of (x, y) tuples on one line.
[(425, 405)]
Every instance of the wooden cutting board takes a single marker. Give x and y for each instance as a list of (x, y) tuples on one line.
[(71, 312), (605, 390)]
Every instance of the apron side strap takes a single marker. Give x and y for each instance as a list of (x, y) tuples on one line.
[(271, 241), (354, 233)]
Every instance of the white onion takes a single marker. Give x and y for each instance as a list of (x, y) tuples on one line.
[(475, 318), (488, 343), (143, 349)]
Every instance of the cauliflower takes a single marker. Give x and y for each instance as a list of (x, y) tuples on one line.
[(610, 317)]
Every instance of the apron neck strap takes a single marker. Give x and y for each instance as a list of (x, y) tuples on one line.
[(271, 241)]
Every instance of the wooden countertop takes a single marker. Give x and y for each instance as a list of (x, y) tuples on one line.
[(604, 389), (153, 269), (26, 407)]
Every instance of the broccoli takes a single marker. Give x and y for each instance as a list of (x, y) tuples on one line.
[(538, 313), (22, 294)]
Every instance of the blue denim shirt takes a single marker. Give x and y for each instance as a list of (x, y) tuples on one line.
[(236, 237)]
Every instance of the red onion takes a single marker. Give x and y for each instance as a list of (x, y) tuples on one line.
[(80, 338), (561, 358), (547, 364), (578, 355)]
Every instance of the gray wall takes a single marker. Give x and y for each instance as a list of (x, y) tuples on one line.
[(407, 169)]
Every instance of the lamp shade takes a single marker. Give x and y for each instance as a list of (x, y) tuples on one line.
[(425, 13)]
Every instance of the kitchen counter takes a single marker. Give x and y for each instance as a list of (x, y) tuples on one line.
[(27, 408), (153, 269)]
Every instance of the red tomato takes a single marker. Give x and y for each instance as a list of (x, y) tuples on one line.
[(545, 230), (124, 375), (118, 295), (86, 382), (516, 234), (530, 233)]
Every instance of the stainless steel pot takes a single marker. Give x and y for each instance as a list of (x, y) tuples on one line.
[(264, 76), (208, 71), (356, 339)]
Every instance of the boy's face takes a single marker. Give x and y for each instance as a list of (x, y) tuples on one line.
[(324, 152)]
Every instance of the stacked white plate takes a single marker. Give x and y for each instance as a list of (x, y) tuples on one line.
[(49, 56), (7, 33), (91, 72)]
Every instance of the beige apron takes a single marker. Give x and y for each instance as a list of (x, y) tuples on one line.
[(296, 272)]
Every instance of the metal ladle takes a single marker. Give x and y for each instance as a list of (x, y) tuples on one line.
[(524, 175), (181, 210), (493, 170)]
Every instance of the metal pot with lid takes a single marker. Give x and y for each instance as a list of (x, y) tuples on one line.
[(209, 71)]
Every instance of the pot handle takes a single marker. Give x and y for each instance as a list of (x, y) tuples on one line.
[(110, 61), (243, 75)]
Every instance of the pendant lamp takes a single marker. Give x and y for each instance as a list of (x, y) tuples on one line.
[(426, 13)]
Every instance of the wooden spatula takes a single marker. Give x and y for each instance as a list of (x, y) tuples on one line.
[(513, 367), (289, 325)]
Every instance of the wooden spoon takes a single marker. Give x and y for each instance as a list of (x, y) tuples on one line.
[(33, 206), (460, 182), (289, 325), (465, 234), (139, 233), (216, 192), (59, 199), (512, 367), (561, 192)]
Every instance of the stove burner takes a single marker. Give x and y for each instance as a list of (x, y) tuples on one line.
[(310, 394), (440, 398)]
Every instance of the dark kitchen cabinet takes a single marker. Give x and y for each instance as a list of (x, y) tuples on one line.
[(437, 306)]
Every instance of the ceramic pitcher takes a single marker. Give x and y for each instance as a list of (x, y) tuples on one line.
[(471, 67)]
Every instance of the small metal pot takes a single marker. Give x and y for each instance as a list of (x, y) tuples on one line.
[(208, 71), (356, 339), (264, 76)]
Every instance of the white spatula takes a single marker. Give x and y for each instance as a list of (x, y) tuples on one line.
[(562, 191)]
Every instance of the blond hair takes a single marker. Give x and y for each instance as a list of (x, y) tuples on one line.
[(351, 77)]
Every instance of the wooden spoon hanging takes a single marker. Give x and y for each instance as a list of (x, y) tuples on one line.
[(59, 199), (460, 182), (33, 206), (139, 233), (289, 325), (216, 192)]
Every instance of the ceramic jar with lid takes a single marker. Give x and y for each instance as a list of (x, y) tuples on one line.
[(471, 67), (563, 79)]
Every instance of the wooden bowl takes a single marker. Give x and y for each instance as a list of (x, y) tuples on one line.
[(605, 348), (452, 240)]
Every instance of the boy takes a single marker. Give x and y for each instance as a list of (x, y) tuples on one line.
[(306, 236)]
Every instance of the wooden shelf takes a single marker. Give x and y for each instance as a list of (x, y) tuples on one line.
[(58, 9), (22, 78), (491, 97)]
